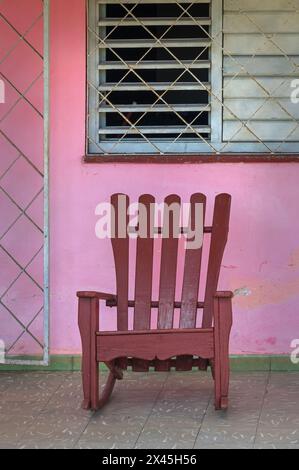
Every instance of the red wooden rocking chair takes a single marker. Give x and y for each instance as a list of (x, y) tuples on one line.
[(163, 347)]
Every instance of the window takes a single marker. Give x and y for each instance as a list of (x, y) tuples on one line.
[(181, 77)]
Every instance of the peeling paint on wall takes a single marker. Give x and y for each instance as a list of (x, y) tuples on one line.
[(266, 292), (294, 259), (242, 292)]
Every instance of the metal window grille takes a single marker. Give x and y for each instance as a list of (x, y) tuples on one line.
[(192, 77), (260, 63), (150, 91), (24, 244)]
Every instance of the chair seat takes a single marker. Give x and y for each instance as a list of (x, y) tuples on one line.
[(155, 344)]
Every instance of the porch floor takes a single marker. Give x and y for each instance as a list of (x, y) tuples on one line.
[(155, 410)]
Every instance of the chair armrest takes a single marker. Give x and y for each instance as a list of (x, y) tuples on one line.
[(224, 295), (96, 295)]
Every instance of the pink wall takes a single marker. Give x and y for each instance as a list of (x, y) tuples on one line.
[(262, 256)]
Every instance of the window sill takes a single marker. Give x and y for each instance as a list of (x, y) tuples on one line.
[(200, 158)]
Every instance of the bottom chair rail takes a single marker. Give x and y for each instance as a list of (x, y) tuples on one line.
[(155, 344), (172, 363)]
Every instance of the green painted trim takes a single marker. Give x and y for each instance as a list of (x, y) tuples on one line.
[(62, 363), (251, 363), (238, 363), (263, 363), (281, 363)]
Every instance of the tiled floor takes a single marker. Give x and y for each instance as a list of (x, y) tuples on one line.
[(155, 410)]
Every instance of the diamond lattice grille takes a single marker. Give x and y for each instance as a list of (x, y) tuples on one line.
[(153, 63), (261, 62), (192, 77), (23, 311)]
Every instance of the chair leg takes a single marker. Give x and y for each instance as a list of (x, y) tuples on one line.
[(222, 328), (88, 326)]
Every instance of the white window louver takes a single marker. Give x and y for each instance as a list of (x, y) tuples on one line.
[(149, 76)]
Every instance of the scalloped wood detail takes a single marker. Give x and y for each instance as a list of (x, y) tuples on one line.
[(155, 344)]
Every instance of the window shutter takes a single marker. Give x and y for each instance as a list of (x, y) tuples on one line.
[(149, 77), (260, 62)]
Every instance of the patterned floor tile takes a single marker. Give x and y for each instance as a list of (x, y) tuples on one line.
[(170, 432), (277, 438), (155, 410), (111, 432)]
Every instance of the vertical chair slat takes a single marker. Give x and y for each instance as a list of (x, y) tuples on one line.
[(169, 257), (218, 241), (120, 245), (168, 270), (144, 271), (191, 279), (192, 271)]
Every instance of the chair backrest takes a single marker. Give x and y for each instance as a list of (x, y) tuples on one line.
[(166, 304)]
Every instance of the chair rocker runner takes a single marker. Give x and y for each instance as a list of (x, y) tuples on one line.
[(161, 345)]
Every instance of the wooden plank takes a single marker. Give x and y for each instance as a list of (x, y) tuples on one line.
[(168, 271), (257, 44), (223, 324), (183, 230), (144, 264), (88, 320), (144, 271), (172, 362), (191, 279), (120, 245), (216, 365), (217, 246), (192, 270), (154, 304), (134, 333), (94, 369), (149, 346), (84, 322)]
